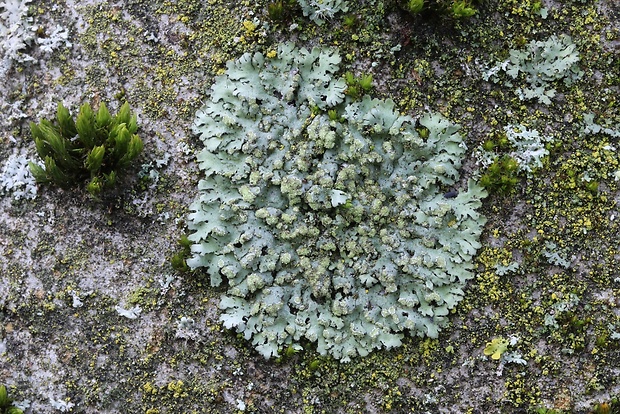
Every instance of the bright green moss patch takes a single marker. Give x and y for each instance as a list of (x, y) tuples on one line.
[(104, 146)]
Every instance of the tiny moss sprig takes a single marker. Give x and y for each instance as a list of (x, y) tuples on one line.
[(275, 10), (613, 406), (501, 176), (357, 86), (350, 21), (457, 8), (6, 403), (281, 10), (178, 261), (462, 8), (96, 146), (414, 6)]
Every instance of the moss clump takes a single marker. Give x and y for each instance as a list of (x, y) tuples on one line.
[(6, 403), (105, 145), (178, 260), (501, 176), (454, 8)]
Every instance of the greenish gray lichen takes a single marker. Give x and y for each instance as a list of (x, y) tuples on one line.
[(320, 10), (337, 232), (529, 147), (540, 65)]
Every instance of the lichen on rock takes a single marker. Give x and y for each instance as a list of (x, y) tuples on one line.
[(330, 229)]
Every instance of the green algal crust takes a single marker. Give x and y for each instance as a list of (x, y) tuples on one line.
[(339, 232)]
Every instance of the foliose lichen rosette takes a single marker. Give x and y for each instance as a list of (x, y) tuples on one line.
[(328, 220)]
